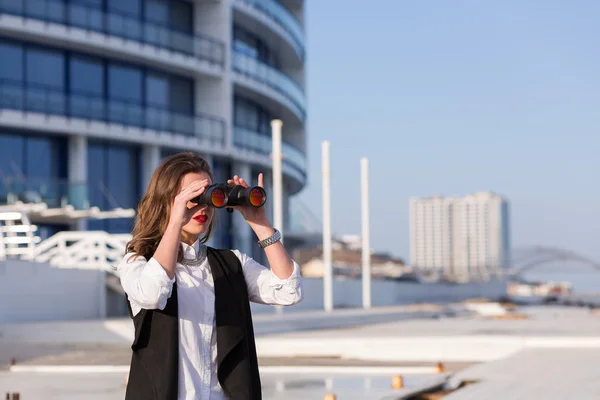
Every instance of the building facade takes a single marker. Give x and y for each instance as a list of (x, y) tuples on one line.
[(94, 93), (463, 238)]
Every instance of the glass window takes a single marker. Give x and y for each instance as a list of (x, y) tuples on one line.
[(124, 83), (264, 122), (177, 15), (13, 7), (181, 16), (86, 79), (167, 93), (157, 99), (156, 16), (122, 171), (11, 67), (42, 169), (125, 92), (11, 155), (251, 45), (31, 166), (46, 157), (94, 3), (123, 184), (239, 114), (96, 181), (245, 48), (86, 75), (157, 12), (45, 76), (181, 95), (124, 18), (87, 14), (157, 90), (252, 116), (45, 67), (39, 158), (113, 182), (49, 11), (129, 7), (83, 89)]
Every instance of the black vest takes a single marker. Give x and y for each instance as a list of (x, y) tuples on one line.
[(155, 360)]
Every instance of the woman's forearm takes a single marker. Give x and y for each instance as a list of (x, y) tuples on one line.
[(279, 260)]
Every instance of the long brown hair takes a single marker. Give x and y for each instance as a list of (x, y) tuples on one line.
[(155, 207)]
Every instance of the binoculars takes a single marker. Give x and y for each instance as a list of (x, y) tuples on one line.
[(221, 195)]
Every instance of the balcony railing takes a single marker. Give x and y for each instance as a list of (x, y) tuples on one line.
[(55, 193), (42, 99), (123, 25), (262, 144), (84, 250), (266, 74), (282, 17)]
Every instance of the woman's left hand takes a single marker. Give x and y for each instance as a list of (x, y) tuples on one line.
[(252, 215)]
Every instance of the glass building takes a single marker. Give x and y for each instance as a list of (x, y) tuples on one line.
[(94, 93)]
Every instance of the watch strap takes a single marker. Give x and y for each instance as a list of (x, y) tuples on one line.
[(274, 238)]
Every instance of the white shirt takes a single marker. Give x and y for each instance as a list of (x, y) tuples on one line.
[(148, 286)]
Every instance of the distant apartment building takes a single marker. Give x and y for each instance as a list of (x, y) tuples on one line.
[(461, 237)]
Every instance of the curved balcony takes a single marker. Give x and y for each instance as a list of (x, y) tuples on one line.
[(94, 19), (294, 159), (264, 74), (50, 101), (277, 13)]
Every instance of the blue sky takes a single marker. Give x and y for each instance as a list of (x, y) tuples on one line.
[(451, 97)]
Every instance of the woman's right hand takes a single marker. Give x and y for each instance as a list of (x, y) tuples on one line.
[(182, 210)]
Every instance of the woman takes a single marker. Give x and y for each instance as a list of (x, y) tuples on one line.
[(194, 337)]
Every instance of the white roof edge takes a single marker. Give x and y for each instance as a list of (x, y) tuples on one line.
[(68, 212)]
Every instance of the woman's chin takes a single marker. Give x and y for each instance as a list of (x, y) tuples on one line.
[(195, 230)]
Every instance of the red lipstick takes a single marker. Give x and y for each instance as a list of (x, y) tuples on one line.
[(201, 219)]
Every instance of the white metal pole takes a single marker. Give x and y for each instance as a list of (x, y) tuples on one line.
[(327, 261), (276, 126), (277, 155), (366, 246)]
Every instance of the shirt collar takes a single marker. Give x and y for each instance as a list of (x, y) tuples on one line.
[(190, 252)]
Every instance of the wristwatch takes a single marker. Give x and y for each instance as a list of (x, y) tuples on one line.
[(274, 238)]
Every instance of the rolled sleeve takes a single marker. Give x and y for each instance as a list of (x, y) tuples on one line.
[(291, 284), (267, 288), (146, 283), (165, 284)]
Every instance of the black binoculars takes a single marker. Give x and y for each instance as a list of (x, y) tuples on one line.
[(221, 195)]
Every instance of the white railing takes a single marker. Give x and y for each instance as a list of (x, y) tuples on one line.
[(82, 249), (16, 235)]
